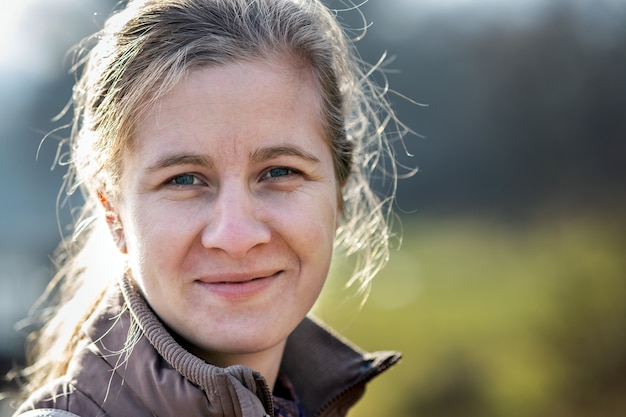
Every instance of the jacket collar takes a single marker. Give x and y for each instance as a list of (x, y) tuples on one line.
[(327, 372)]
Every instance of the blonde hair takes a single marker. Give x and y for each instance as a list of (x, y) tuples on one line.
[(142, 52)]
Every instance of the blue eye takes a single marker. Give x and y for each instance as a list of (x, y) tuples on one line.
[(184, 179), (278, 172)]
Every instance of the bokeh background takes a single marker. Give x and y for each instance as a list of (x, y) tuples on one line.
[(507, 293)]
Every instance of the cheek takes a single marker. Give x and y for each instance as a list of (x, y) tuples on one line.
[(314, 227), (154, 233)]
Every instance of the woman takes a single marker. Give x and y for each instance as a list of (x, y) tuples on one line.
[(222, 148)]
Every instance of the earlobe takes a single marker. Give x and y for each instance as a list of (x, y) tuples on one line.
[(113, 221)]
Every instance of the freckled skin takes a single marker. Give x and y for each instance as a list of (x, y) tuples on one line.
[(231, 180)]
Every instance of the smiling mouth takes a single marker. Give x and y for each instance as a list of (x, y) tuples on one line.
[(238, 288), (243, 282)]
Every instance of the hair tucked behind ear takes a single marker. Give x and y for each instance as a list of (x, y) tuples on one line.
[(143, 51)]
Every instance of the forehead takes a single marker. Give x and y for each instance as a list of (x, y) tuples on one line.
[(291, 70), (279, 70), (234, 104)]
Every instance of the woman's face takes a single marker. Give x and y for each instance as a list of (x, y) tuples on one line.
[(229, 207)]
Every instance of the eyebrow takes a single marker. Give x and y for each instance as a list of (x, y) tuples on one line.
[(181, 159), (258, 156), (270, 152)]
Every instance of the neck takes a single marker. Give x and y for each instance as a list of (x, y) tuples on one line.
[(266, 362)]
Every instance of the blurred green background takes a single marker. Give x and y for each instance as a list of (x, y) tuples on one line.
[(506, 294), (495, 319)]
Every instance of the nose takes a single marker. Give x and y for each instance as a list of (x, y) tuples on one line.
[(234, 226)]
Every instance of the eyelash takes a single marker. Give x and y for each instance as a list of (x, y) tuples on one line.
[(287, 173), (194, 178), (266, 176)]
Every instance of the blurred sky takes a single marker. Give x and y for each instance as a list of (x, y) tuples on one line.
[(35, 36)]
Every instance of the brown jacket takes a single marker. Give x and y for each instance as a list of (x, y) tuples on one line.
[(160, 378)]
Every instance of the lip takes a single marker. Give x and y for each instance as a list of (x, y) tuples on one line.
[(237, 287)]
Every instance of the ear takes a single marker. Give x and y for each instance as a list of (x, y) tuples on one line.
[(114, 222)]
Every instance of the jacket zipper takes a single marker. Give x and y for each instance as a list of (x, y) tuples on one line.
[(268, 402)]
